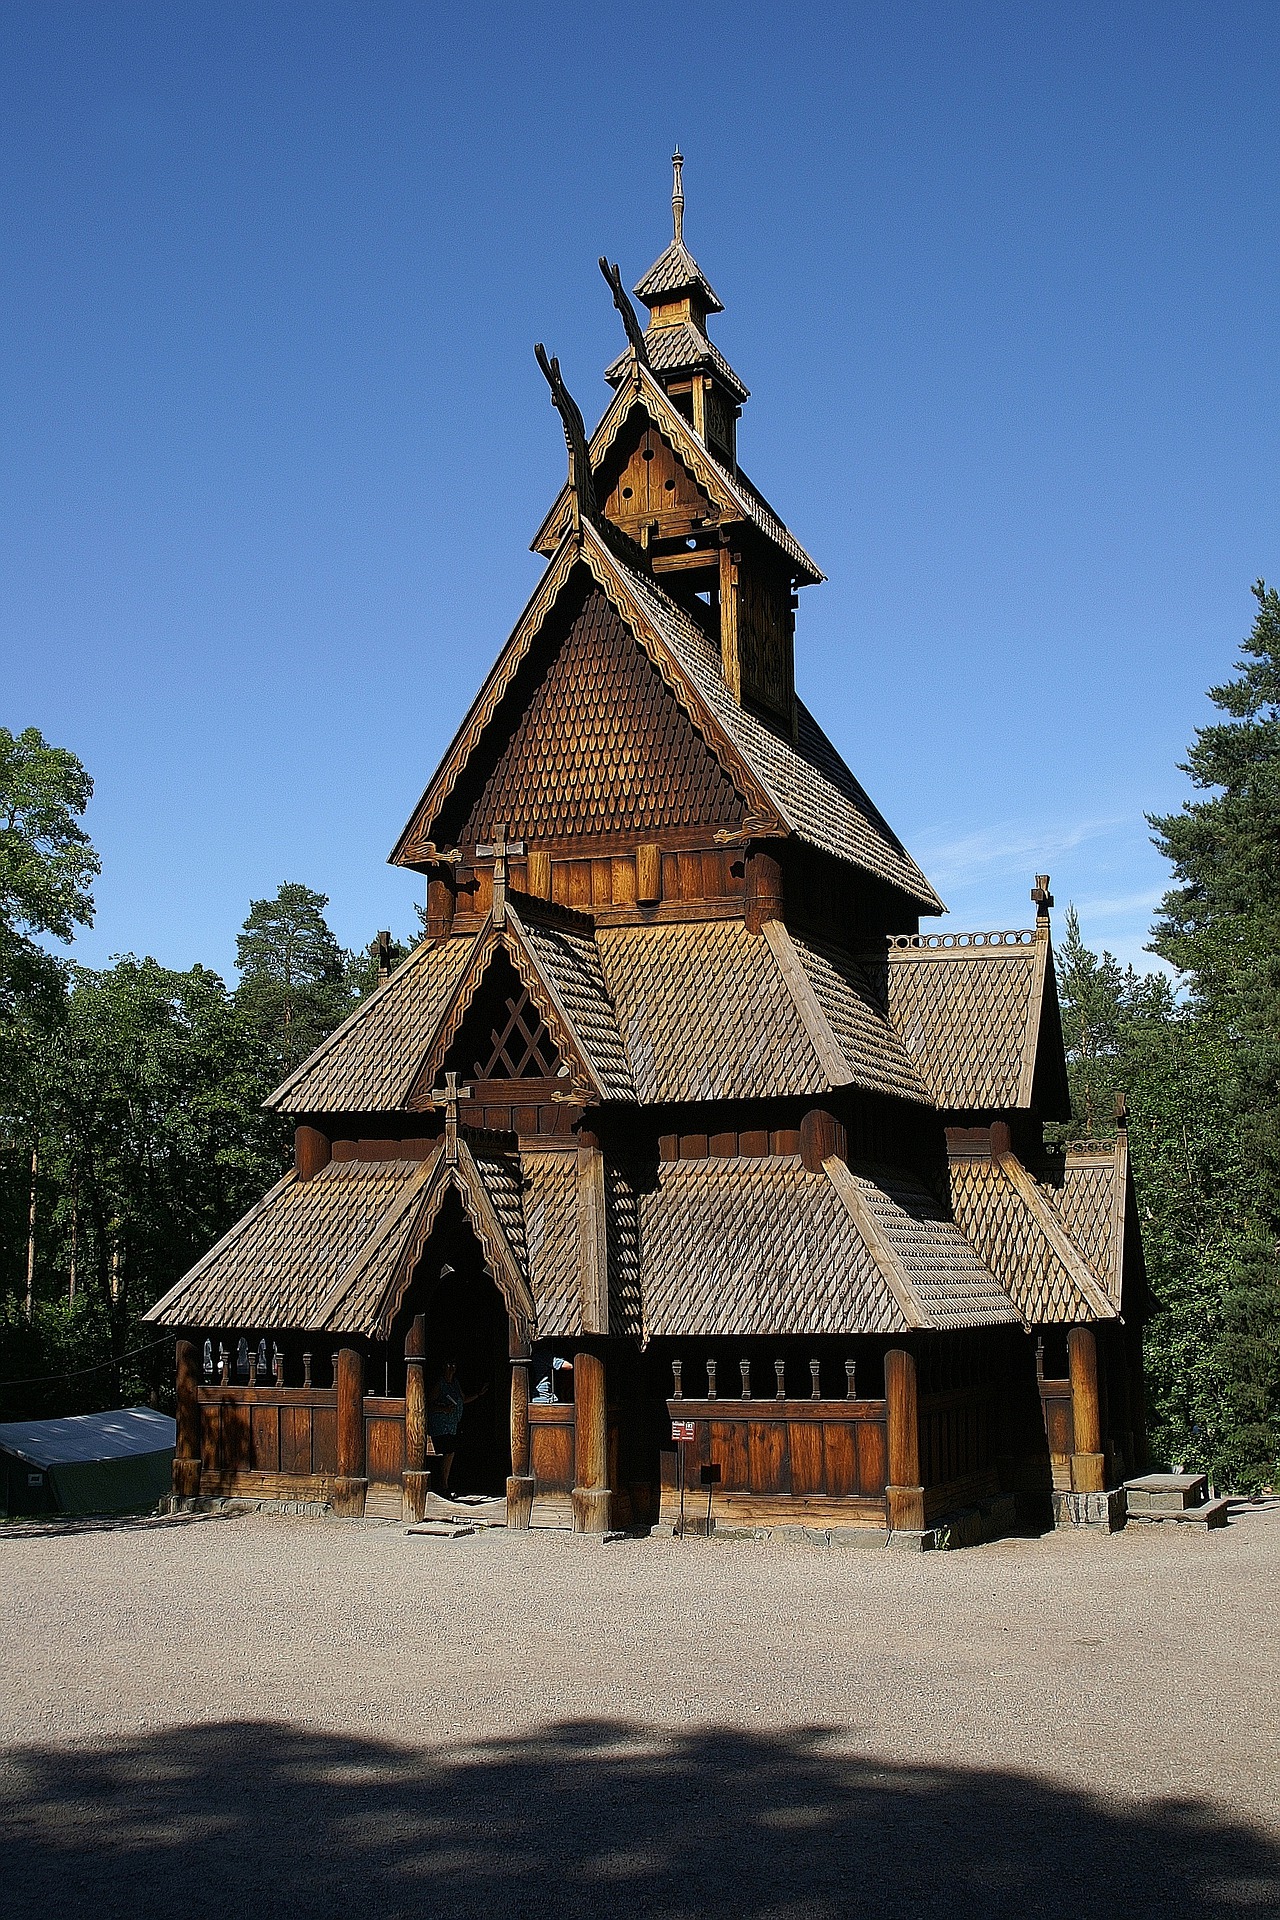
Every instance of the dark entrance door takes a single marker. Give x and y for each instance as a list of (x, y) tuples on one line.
[(467, 1323)]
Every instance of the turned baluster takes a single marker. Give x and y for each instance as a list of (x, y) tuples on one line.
[(851, 1379), (306, 1370), (677, 1373), (815, 1383), (711, 1379), (744, 1368), (780, 1376)]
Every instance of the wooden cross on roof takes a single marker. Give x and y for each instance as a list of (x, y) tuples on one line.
[(448, 1098), (499, 852)]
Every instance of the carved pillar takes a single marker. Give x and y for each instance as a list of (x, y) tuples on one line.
[(417, 1480), (763, 888), (1087, 1464), (186, 1453), (593, 1255), (904, 1493), (350, 1485), (311, 1151), (520, 1482), (592, 1498)]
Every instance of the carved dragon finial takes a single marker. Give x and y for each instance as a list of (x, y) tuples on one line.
[(677, 196), (581, 483), (621, 300)]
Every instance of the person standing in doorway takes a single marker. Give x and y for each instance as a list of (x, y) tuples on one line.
[(444, 1417)]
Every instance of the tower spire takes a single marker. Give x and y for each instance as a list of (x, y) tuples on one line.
[(677, 196)]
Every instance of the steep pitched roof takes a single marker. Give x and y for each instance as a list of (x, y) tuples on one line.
[(709, 1011), (676, 271), (1012, 1221), (335, 1253), (731, 493), (805, 789), (369, 1063), (978, 1016), (751, 1247), (1093, 1203), (276, 1264), (673, 349)]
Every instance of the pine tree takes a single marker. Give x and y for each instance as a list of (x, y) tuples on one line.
[(293, 974), (1220, 926)]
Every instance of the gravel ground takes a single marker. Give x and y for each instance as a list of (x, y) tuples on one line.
[(309, 1717)]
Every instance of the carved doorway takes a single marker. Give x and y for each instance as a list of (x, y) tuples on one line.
[(466, 1322)]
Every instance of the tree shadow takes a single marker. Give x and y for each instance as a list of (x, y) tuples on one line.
[(37, 1526), (588, 1819)]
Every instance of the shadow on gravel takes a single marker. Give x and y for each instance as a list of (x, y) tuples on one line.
[(586, 1820), (52, 1526)]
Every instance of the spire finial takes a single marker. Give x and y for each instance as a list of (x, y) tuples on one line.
[(677, 196)]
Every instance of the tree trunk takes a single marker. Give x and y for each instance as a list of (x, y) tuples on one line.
[(31, 1236)]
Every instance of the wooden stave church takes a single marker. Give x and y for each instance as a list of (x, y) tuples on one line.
[(674, 1088)]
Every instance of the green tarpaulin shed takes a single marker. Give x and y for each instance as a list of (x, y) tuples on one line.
[(88, 1463)]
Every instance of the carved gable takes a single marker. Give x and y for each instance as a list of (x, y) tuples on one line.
[(503, 1035), (594, 746), (648, 487)]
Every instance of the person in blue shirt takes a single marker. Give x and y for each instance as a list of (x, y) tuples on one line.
[(444, 1417)]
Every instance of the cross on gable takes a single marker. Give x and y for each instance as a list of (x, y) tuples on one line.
[(448, 1098), (499, 852)]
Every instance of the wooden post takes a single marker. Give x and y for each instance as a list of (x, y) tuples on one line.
[(186, 1453), (350, 1485), (592, 1498), (1088, 1468), (520, 1484), (904, 1493), (311, 1151), (648, 873), (821, 1136), (416, 1477), (442, 896), (763, 888)]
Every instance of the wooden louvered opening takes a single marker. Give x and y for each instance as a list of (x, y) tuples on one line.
[(503, 1035)]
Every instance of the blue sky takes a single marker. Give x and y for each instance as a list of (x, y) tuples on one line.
[(1002, 279)]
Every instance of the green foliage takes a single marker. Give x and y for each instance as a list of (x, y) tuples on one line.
[(46, 863), (294, 987), (1202, 1073)]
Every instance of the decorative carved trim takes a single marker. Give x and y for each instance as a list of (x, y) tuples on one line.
[(946, 943)]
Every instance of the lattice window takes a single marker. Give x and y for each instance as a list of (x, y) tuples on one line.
[(503, 1035)]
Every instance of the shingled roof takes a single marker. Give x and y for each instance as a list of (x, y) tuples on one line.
[(370, 1062), (750, 1247), (804, 789), (1013, 1223), (675, 349), (975, 1012), (676, 271), (335, 1252), (277, 1264), (709, 1011)]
